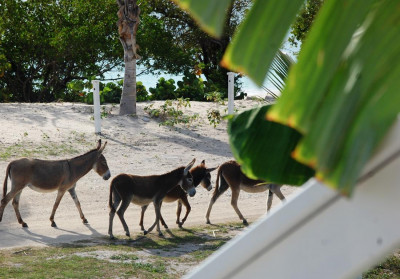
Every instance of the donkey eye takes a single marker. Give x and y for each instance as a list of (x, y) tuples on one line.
[(190, 180)]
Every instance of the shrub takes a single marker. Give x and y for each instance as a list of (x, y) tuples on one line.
[(141, 92), (170, 112), (165, 90), (191, 87)]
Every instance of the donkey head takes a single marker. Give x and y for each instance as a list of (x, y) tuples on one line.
[(100, 166), (187, 180), (206, 176)]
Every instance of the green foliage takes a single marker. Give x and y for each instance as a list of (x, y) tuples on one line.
[(208, 15), (165, 89), (216, 97), (111, 91), (342, 94), (247, 128), (185, 47), (49, 43), (191, 87), (253, 55), (141, 93), (214, 117), (389, 269), (139, 257), (170, 113), (304, 20)]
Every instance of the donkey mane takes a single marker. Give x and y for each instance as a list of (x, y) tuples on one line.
[(180, 169), (82, 155)]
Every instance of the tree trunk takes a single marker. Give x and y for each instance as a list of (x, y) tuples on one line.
[(128, 21), (128, 97)]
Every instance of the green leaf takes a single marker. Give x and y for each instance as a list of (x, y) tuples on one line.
[(261, 34), (263, 148), (318, 61), (209, 14), (344, 123)]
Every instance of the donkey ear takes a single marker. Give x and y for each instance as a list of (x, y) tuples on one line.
[(104, 146), (211, 169), (189, 166), (98, 144), (203, 162)]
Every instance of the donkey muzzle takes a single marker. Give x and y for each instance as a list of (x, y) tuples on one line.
[(192, 192), (107, 175)]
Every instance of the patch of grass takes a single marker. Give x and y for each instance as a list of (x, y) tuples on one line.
[(147, 256), (71, 146), (124, 257), (389, 269)]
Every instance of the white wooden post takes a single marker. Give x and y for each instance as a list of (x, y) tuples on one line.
[(231, 95), (318, 233), (96, 105)]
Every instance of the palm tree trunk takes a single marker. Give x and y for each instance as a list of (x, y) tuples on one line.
[(128, 21), (128, 97)]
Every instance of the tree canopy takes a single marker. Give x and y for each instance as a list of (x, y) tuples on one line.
[(304, 20), (49, 43), (45, 44), (170, 40)]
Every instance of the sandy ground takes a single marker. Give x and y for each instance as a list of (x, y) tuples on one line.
[(136, 145)]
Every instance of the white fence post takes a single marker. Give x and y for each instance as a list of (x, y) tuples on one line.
[(96, 105), (231, 95)]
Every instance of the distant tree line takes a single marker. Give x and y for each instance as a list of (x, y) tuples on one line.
[(51, 49)]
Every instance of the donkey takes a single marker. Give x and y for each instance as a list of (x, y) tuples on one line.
[(142, 190), (201, 175), (48, 176), (232, 177)]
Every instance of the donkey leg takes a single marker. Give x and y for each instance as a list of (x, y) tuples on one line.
[(188, 209), (15, 204), (144, 208), (60, 194), (269, 202), (121, 211), (217, 193), (234, 200), (116, 201), (162, 219), (13, 192), (77, 203), (178, 213), (157, 221), (277, 190)]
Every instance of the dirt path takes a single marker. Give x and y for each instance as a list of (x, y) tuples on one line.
[(137, 145)]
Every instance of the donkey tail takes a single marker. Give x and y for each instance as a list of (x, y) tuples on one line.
[(6, 179), (219, 173)]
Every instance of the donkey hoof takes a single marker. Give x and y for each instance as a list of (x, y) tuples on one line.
[(24, 225), (208, 222), (145, 232), (85, 221), (53, 224), (245, 222), (112, 237), (160, 234)]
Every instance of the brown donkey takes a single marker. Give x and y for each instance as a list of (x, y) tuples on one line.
[(142, 190), (47, 176), (201, 175), (232, 177)]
